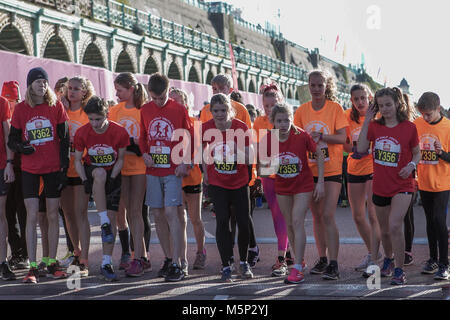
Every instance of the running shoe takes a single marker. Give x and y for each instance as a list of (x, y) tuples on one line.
[(200, 261), (331, 272), (67, 260), (279, 269), (344, 204), (125, 261), (42, 269), (289, 259), (294, 277), (32, 276), (107, 235), (388, 268), (430, 267), (134, 269), (366, 274), (226, 275), (18, 262), (246, 270), (442, 273), (84, 271), (399, 277), (54, 271), (253, 257), (364, 263), (108, 273), (408, 259), (76, 261), (174, 274), (165, 268), (319, 267), (146, 265), (6, 272), (185, 267)]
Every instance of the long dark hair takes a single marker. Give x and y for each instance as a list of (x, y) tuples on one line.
[(354, 115), (403, 108)]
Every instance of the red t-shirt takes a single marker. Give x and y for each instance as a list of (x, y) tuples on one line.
[(102, 149), (222, 173), (39, 126), (294, 175), (157, 127), (5, 115), (392, 151)]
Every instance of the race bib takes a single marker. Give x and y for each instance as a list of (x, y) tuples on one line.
[(289, 166), (326, 154), (225, 168), (427, 150), (387, 152), (39, 131), (160, 156), (224, 159), (102, 156)]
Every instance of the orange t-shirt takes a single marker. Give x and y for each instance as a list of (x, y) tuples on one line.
[(433, 172), (130, 119), (195, 175), (239, 109), (77, 119), (327, 120), (357, 167)]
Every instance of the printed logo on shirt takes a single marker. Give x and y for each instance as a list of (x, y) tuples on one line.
[(429, 155), (39, 130), (387, 151), (318, 126), (290, 165), (102, 155), (224, 158), (132, 126), (73, 127), (161, 129)]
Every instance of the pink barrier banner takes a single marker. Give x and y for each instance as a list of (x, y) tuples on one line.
[(16, 66)]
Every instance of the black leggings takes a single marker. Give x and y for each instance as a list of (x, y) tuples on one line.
[(435, 207), (222, 199), (408, 223)]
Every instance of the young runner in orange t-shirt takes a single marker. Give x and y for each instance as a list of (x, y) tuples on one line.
[(192, 199), (360, 174), (434, 183), (132, 95), (325, 121), (73, 198)]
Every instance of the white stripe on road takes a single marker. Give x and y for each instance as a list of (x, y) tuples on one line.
[(220, 298)]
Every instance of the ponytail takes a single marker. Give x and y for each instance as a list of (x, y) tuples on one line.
[(140, 95)]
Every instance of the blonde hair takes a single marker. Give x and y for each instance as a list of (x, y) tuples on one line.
[(87, 85), (128, 80), (181, 93), (49, 97), (330, 83), (220, 98)]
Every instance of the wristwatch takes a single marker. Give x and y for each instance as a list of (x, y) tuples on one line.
[(414, 164)]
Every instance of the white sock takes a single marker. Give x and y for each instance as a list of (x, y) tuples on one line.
[(255, 249), (103, 217), (298, 267), (106, 260), (243, 262)]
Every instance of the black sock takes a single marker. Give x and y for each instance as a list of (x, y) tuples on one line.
[(288, 254), (281, 259), (124, 240), (324, 259), (333, 263)]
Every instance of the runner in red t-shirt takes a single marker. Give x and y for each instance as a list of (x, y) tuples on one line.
[(294, 183), (227, 146), (396, 153), (39, 131), (6, 177), (103, 144), (161, 120)]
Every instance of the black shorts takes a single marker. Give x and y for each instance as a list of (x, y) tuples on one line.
[(359, 179), (384, 201), (4, 187), (74, 181), (31, 182), (193, 189), (337, 178), (112, 198)]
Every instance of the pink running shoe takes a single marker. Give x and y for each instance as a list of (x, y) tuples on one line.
[(295, 277), (135, 269)]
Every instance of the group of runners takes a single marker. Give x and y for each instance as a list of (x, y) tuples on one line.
[(146, 154)]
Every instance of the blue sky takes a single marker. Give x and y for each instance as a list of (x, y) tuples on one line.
[(400, 38)]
